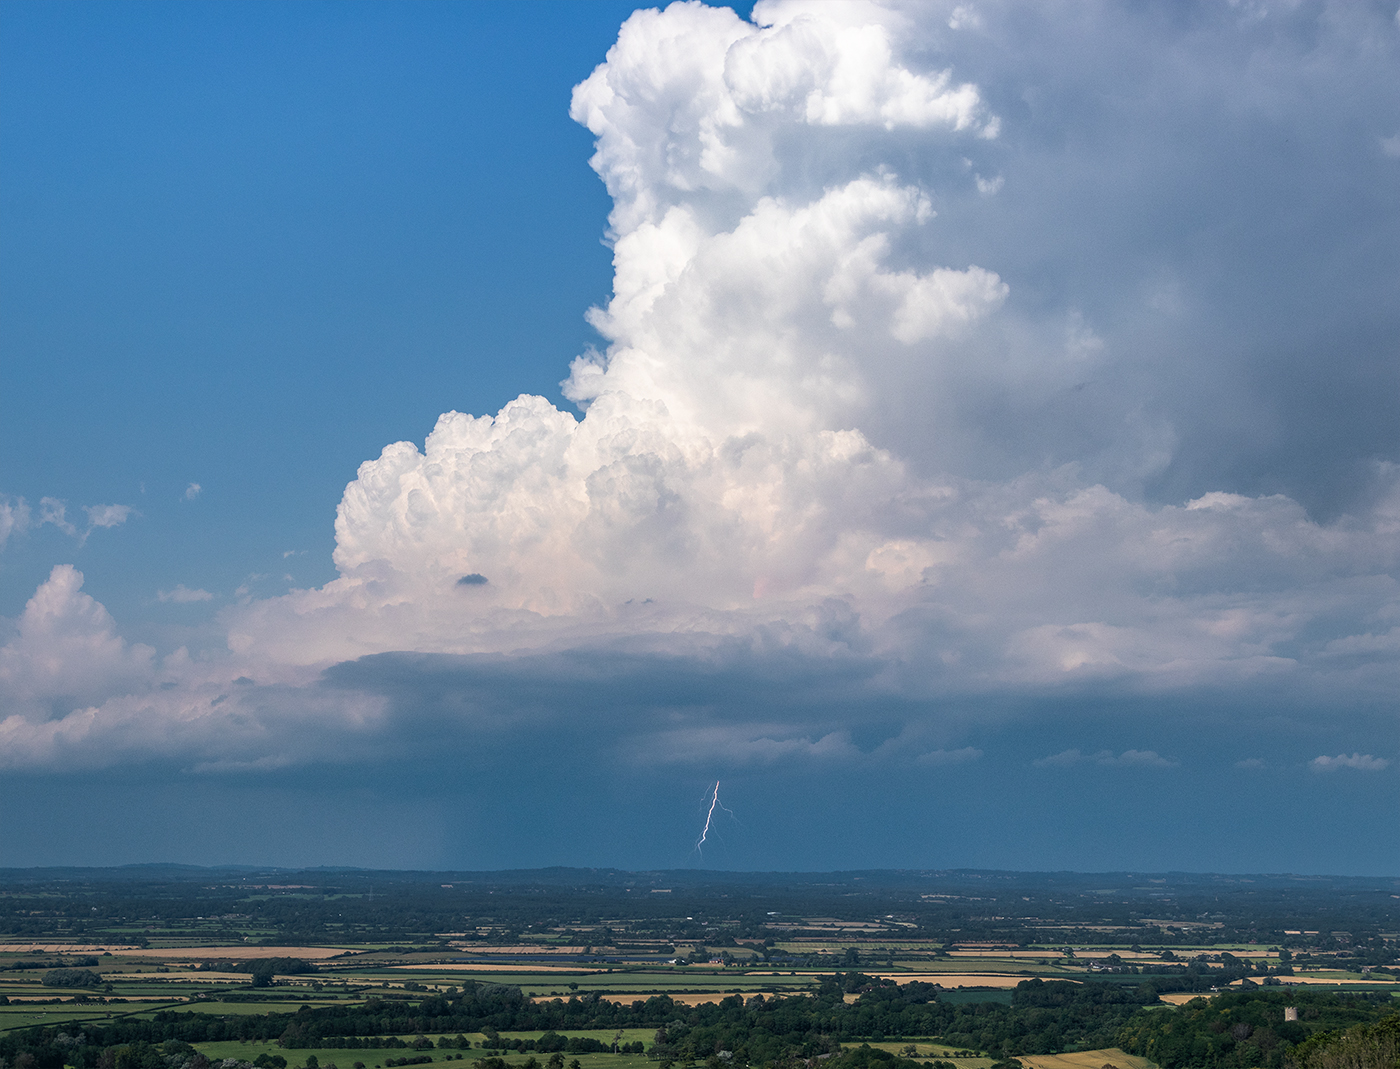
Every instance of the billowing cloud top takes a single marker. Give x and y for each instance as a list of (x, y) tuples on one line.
[(778, 455)]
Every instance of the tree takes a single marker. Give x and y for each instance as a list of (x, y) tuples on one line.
[(1375, 1046), (71, 978)]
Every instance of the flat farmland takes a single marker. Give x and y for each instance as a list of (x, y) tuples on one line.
[(190, 944), (1088, 1059), (25, 1015), (962, 979), (620, 984)]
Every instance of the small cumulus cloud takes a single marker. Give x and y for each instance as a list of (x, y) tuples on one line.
[(14, 518), (1391, 146), (1063, 759), (53, 510), (192, 491), (1149, 758), (183, 595), (107, 515), (964, 17), (949, 757), (104, 516), (1250, 763), (1105, 759), (1362, 762), (989, 186)]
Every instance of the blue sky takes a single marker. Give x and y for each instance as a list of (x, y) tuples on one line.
[(964, 431), (231, 226)]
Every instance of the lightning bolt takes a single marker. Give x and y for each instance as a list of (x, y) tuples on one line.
[(715, 803)]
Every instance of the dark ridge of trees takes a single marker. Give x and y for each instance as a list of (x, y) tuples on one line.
[(1237, 1030), (71, 978)]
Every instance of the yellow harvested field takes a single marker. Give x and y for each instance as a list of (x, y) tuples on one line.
[(525, 948), (1093, 953), (64, 948), (537, 967), (1181, 998), (1288, 981), (236, 953), (50, 998), (962, 979), (184, 975), (1086, 1059), (1033, 955)]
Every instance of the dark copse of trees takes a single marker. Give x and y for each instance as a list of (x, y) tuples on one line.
[(71, 978), (868, 1057), (264, 969), (1246, 1029)]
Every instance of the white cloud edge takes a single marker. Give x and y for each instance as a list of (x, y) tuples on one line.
[(1356, 761), (183, 595)]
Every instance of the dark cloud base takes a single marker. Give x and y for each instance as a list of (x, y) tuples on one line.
[(546, 807), (578, 759)]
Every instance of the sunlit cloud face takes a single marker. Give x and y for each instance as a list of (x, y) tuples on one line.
[(846, 447)]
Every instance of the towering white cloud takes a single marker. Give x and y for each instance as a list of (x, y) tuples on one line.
[(720, 462), (782, 289), (723, 461)]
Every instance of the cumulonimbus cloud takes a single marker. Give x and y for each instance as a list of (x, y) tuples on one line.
[(729, 490)]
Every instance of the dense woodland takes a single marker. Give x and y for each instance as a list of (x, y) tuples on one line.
[(1230, 1031)]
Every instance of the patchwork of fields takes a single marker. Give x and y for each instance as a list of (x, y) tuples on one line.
[(242, 949)]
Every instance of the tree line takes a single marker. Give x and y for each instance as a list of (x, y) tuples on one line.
[(1231, 1031)]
